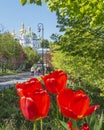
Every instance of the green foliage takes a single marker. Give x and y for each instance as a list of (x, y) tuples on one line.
[(30, 1), (32, 56), (45, 43), (79, 9), (11, 117), (93, 9), (95, 123), (12, 55), (64, 125), (80, 53), (38, 2), (55, 37), (23, 2)]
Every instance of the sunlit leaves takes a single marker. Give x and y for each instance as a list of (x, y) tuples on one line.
[(81, 53), (80, 9), (11, 51), (32, 56), (94, 9), (23, 2), (30, 1), (38, 2)]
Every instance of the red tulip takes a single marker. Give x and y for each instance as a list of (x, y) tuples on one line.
[(70, 126), (85, 127), (36, 105), (55, 81), (26, 88), (75, 105), (34, 101)]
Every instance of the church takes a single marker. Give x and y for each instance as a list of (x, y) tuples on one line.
[(28, 38)]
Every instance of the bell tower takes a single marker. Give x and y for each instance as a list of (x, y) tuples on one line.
[(22, 30)]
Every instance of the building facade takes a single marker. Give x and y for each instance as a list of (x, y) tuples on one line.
[(28, 38)]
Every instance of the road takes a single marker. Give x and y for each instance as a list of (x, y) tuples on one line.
[(9, 80)]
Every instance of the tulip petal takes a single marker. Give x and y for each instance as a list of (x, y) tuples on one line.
[(70, 125), (42, 101), (55, 81), (80, 103), (65, 97), (68, 113), (28, 108), (62, 81), (51, 85), (85, 127), (35, 106), (26, 88), (91, 109)]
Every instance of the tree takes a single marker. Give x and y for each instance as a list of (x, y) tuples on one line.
[(81, 54), (45, 43), (75, 9), (11, 52), (55, 37), (32, 56)]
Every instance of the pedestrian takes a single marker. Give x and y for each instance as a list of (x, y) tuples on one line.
[(35, 72), (32, 70), (38, 70)]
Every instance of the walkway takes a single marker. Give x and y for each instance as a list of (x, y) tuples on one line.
[(10, 80)]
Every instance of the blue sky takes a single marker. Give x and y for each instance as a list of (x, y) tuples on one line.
[(13, 14)]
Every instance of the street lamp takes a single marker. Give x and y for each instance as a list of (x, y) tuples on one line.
[(41, 28)]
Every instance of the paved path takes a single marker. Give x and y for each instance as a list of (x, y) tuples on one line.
[(10, 80)]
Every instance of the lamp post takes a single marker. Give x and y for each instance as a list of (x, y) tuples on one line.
[(41, 29)]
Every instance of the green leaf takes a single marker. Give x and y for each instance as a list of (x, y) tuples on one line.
[(30, 1), (23, 2), (38, 2), (95, 122), (100, 122), (64, 124)]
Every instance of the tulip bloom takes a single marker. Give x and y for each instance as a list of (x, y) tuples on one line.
[(55, 81), (75, 105), (70, 126), (35, 106), (34, 101), (85, 127), (28, 87)]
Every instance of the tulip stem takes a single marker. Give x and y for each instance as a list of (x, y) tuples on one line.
[(34, 125), (57, 118), (41, 125)]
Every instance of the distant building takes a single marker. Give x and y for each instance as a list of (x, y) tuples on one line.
[(44, 51), (27, 38)]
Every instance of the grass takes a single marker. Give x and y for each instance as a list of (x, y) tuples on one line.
[(7, 72)]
